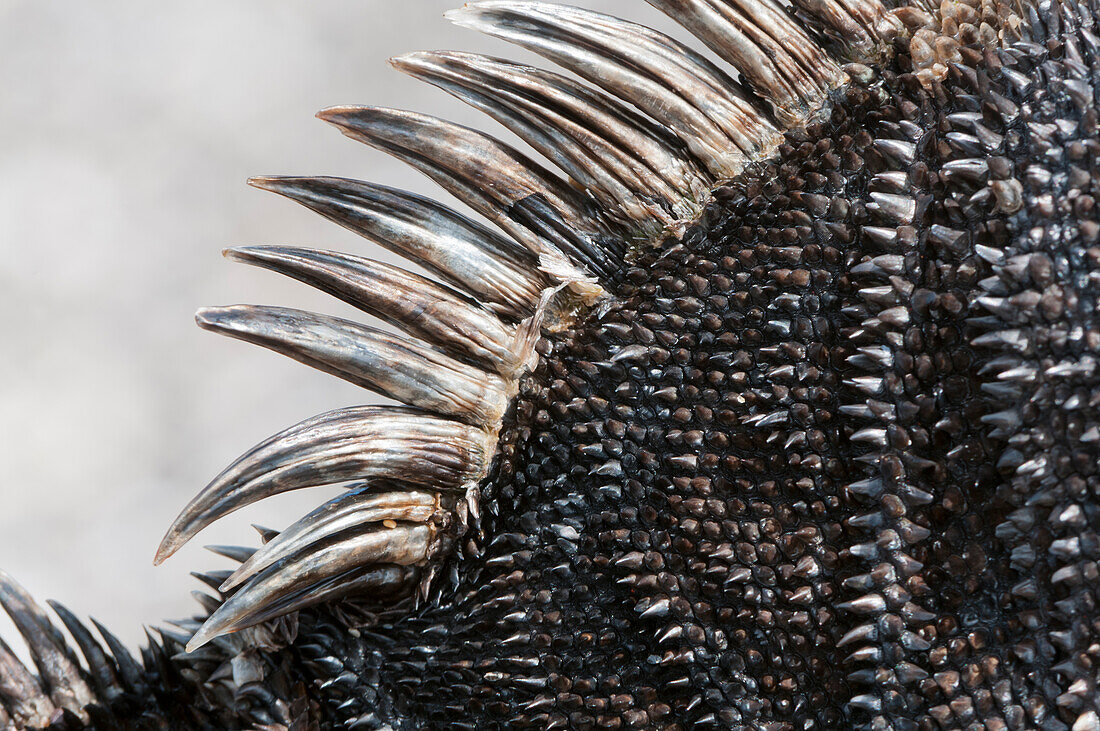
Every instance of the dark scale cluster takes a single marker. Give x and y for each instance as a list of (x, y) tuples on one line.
[(829, 461)]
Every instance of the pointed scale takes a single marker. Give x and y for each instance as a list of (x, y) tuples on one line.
[(634, 137), (489, 176), (102, 671), (343, 512), (341, 445), (436, 314), (274, 593), (394, 366), (131, 672), (26, 703), (240, 554), (300, 579), (63, 678), (463, 253)]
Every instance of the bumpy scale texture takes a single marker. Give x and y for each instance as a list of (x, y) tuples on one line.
[(828, 461)]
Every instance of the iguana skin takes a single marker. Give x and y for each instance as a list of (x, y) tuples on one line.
[(829, 461)]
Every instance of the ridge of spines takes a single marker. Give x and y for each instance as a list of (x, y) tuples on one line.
[(630, 165), (1036, 312), (885, 645), (679, 89), (65, 691), (631, 175), (759, 38), (705, 128), (491, 268)]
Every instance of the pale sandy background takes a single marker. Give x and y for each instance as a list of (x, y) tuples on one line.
[(127, 130)]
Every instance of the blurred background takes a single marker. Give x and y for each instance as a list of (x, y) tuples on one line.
[(127, 130)]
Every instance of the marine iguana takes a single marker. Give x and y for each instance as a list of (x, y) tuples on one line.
[(778, 411)]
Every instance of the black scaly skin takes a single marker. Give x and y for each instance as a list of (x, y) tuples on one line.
[(812, 466), (655, 556)]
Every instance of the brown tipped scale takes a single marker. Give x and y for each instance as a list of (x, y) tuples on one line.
[(60, 673), (764, 43), (660, 76), (346, 511), (266, 534), (300, 579), (496, 271), (436, 314), (347, 444), (392, 365)]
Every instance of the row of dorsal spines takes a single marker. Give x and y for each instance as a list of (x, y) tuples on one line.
[(63, 694), (90, 682), (641, 145)]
